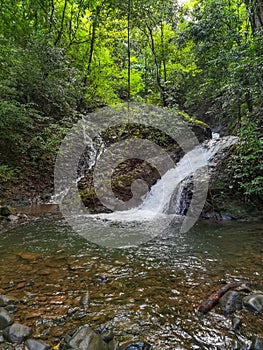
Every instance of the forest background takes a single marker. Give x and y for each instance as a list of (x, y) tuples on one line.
[(61, 59)]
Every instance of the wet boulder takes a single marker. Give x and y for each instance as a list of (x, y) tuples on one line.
[(85, 338), (5, 319), (32, 344), (17, 333), (6, 211), (230, 302), (257, 344), (6, 300), (254, 302)]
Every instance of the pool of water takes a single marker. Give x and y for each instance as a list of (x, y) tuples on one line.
[(150, 292)]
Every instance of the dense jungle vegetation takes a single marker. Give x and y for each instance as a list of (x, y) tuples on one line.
[(62, 58)]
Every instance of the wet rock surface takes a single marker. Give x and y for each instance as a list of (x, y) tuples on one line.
[(254, 302), (257, 344), (230, 302), (17, 336), (5, 319), (36, 345), (85, 338), (17, 333)]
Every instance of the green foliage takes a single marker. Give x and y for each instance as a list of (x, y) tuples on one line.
[(247, 162), (60, 58), (8, 174)]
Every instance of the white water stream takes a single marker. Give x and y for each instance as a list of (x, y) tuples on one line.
[(158, 199), (159, 208)]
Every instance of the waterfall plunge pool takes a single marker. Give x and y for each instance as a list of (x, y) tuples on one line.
[(150, 292)]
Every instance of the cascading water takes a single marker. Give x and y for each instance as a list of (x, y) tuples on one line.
[(93, 150), (171, 199), (171, 186), (165, 197)]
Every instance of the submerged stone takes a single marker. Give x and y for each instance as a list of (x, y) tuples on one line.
[(36, 345), (6, 300), (5, 318), (230, 302), (254, 302), (257, 344), (85, 338)]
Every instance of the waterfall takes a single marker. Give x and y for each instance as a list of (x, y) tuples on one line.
[(93, 149), (177, 198), (172, 193)]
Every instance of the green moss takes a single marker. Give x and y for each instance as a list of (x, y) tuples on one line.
[(192, 121)]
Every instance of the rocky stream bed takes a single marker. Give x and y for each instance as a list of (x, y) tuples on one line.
[(59, 291)]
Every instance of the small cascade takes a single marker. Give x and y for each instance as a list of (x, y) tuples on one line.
[(177, 198), (173, 192), (92, 152)]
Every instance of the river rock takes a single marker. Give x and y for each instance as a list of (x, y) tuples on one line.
[(254, 302), (17, 333), (243, 346), (6, 211), (230, 302), (13, 218), (257, 344), (5, 318), (236, 324), (138, 346), (85, 338), (7, 300), (36, 345)]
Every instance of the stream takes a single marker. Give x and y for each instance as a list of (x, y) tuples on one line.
[(145, 293)]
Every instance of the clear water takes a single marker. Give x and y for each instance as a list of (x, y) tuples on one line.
[(150, 292)]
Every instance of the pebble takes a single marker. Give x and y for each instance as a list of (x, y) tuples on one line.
[(72, 311), (236, 324), (85, 301), (12, 218)]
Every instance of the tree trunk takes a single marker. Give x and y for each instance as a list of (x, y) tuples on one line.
[(255, 13), (157, 70), (61, 24)]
